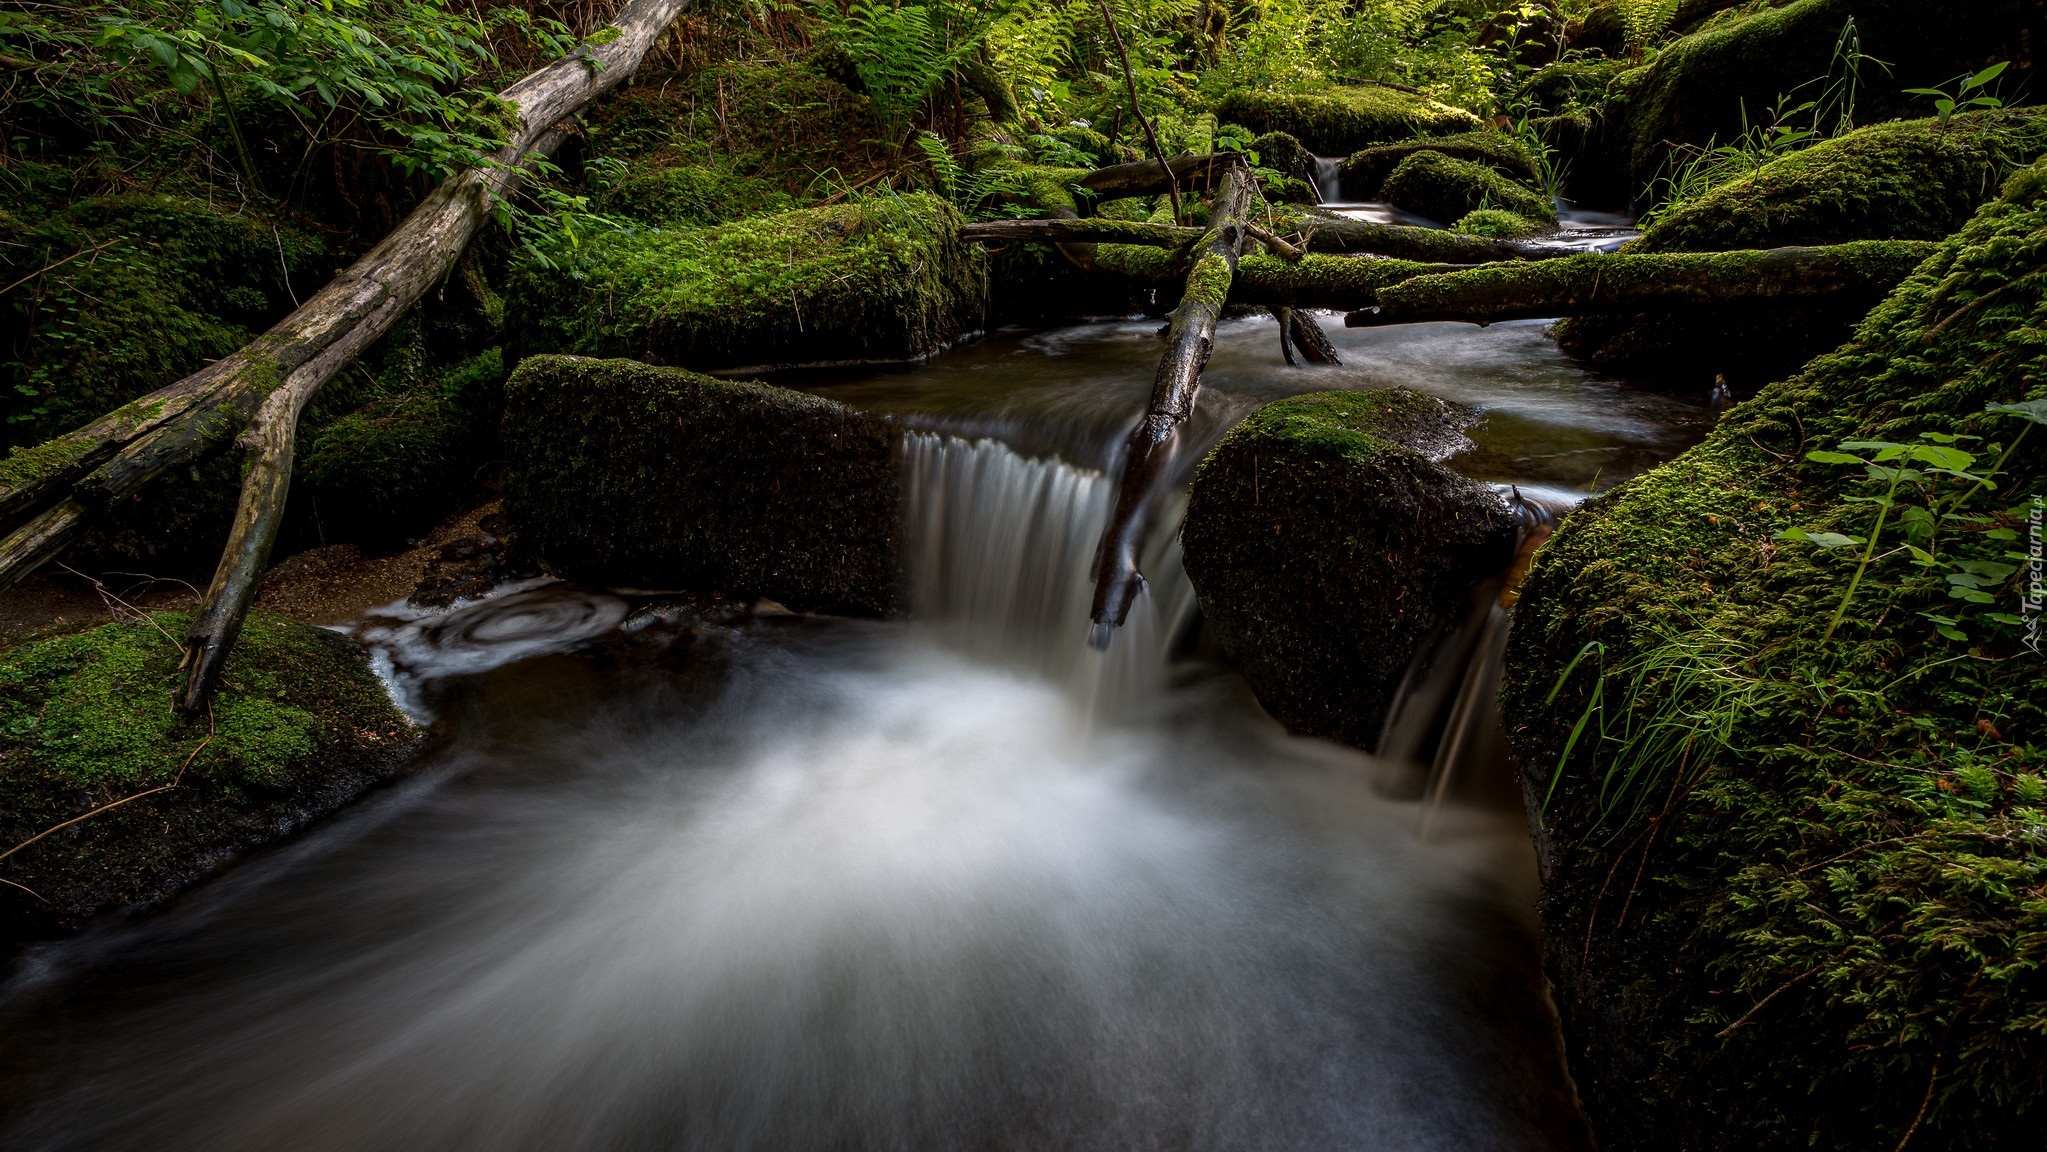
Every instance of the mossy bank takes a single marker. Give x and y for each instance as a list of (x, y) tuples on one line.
[(299, 727), (1793, 867)]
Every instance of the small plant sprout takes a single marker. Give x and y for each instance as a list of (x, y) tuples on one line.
[(1945, 104)]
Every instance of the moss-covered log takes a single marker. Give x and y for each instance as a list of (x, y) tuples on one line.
[(1315, 232), (1821, 927), (1325, 539), (1196, 172), (1338, 121), (617, 472), (301, 727), (1189, 340), (1596, 283)]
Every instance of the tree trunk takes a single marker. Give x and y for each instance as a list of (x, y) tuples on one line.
[(1315, 234), (1150, 178), (1189, 340), (121, 452), (1659, 282)]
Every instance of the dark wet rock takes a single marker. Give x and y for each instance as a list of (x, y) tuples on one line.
[(622, 473), (298, 728), (1325, 538)]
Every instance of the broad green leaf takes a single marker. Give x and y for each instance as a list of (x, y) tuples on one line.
[(1986, 76), (1987, 568), (2034, 410), (1834, 458)]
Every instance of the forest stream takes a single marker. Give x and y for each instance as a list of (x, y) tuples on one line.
[(818, 883)]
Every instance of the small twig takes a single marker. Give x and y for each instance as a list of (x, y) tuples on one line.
[(1759, 1005), (24, 888), (125, 799), (1130, 82), (1286, 251), (108, 598), (61, 263)]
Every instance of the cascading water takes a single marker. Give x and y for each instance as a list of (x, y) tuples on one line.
[(1329, 179), (681, 880)]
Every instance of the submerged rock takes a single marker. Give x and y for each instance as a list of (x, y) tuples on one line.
[(621, 473), (1446, 190), (883, 279), (298, 728), (1337, 121), (1324, 539), (1810, 918)]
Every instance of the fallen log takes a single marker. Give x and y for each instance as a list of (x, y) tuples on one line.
[(1658, 282), (1333, 282), (1189, 340), (1151, 178), (1299, 329), (1313, 234), (270, 380)]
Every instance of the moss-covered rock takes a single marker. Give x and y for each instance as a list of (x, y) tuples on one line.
[(881, 279), (1899, 180), (1364, 171), (1445, 190), (1290, 158), (384, 474), (299, 727), (1324, 540), (1813, 918), (1337, 121), (1904, 180), (621, 473), (1499, 224), (1697, 88)]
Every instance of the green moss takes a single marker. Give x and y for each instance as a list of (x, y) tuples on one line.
[(1444, 189), (1909, 180), (177, 283), (692, 194), (763, 491), (25, 466), (1364, 171), (298, 727), (883, 278), (1337, 121), (1284, 155), (1498, 224), (604, 35), (784, 122), (387, 472), (1567, 86), (1324, 541), (92, 709), (1697, 88), (1852, 874)]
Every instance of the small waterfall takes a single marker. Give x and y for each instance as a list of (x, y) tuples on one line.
[(1329, 179), (1001, 556)]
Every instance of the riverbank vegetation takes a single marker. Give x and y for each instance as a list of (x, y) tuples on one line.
[(1773, 702)]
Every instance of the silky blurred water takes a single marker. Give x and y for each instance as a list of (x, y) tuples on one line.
[(678, 880)]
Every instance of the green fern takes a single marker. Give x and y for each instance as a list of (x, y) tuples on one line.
[(1646, 21)]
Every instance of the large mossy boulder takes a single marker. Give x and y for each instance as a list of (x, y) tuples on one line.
[(1325, 538), (1446, 190), (1338, 121), (1793, 867), (621, 473), (1363, 172), (1700, 88), (299, 727), (1905, 180), (882, 279)]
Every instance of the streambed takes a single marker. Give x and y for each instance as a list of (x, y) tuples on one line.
[(683, 880)]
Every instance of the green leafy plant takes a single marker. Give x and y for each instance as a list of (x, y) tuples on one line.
[(1645, 21), (1946, 104), (903, 53)]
